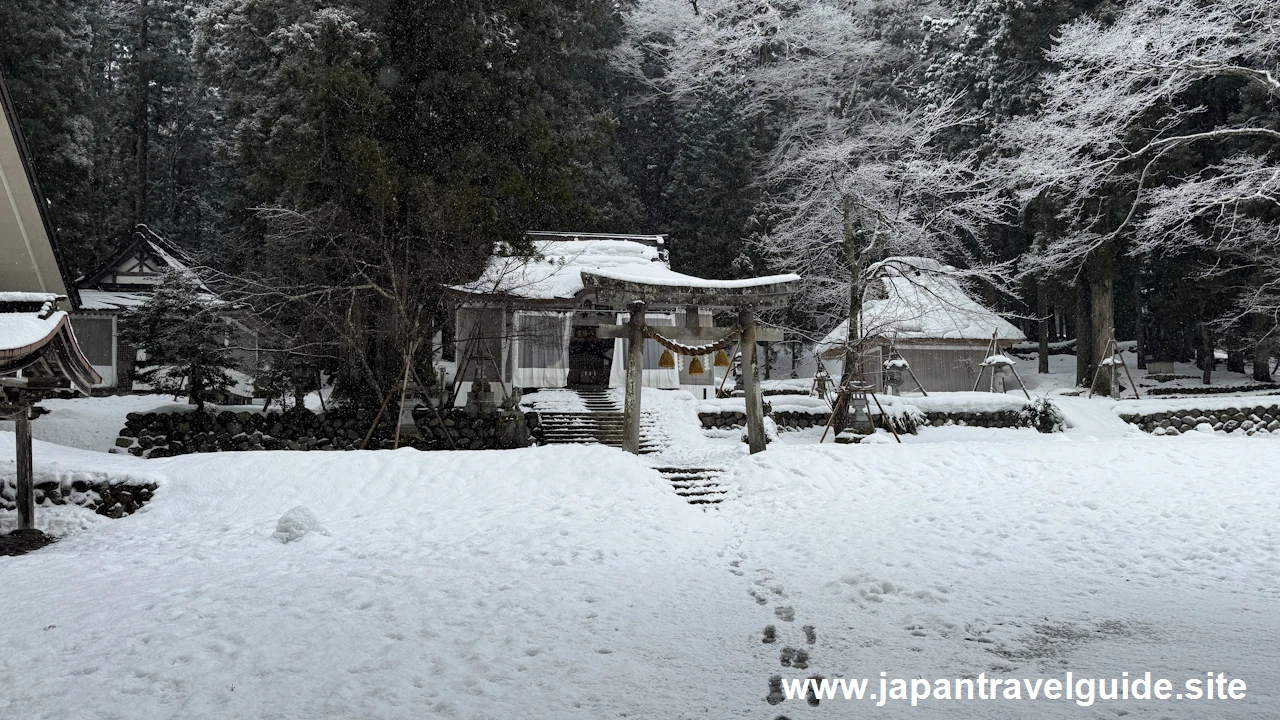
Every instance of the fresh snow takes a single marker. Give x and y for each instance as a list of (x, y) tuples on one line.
[(659, 274), (18, 296), (921, 299), (18, 330), (95, 423), (1207, 403), (111, 300), (555, 271), (570, 582), (296, 524), (956, 402)]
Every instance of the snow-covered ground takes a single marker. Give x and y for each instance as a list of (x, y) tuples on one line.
[(570, 582), (90, 423)]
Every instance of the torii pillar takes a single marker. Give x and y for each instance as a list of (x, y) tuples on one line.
[(635, 379), (756, 439)]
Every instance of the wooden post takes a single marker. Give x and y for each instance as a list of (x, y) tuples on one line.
[(751, 373), (635, 378), (916, 381), (1018, 377), (404, 387), (1114, 381), (26, 481), (888, 421)]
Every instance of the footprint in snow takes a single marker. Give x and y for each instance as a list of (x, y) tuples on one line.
[(791, 657), (770, 634), (786, 613), (775, 695), (810, 634)]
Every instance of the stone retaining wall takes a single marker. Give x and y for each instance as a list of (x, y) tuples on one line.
[(470, 429), (997, 419), (785, 419), (726, 420), (94, 491), (178, 433), (1210, 390), (1248, 419)]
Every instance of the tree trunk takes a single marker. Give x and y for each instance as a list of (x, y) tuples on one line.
[(194, 388), (1138, 335), (142, 118), (852, 344), (1235, 361), (1262, 348), (1042, 326), (1103, 318), (1206, 354), (1084, 336), (853, 258)]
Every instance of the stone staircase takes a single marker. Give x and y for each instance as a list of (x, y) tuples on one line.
[(698, 486), (600, 424)]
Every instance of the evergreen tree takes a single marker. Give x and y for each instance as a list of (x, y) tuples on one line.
[(44, 49), (184, 335)]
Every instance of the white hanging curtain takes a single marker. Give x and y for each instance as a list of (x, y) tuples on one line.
[(542, 349), (651, 375)]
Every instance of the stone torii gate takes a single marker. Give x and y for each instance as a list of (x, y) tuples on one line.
[(637, 295)]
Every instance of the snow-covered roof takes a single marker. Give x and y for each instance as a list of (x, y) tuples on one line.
[(109, 300), (28, 297), (42, 346), (139, 263), (922, 299), (22, 330), (555, 271), (659, 274)]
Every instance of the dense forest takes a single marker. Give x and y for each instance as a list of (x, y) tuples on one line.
[(1088, 164)]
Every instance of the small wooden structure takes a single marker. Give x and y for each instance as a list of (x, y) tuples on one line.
[(638, 294), (38, 356), (995, 362), (531, 321), (920, 310), (1111, 357)]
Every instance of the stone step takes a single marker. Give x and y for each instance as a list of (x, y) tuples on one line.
[(697, 485)]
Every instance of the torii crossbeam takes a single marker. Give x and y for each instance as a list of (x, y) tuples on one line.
[(637, 294)]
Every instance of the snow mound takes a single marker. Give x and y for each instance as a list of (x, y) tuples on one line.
[(295, 524)]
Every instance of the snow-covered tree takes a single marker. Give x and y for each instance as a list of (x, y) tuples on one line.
[(1157, 134), (184, 334), (856, 173)]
